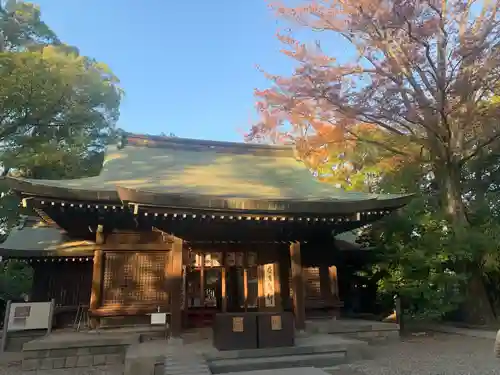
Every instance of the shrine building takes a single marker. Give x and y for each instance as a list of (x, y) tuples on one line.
[(190, 227)]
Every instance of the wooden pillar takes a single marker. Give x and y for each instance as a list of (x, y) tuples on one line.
[(95, 295), (298, 288), (176, 287), (97, 275), (334, 284), (245, 288), (223, 289), (202, 280)]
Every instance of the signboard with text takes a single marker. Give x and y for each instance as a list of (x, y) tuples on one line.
[(25, 316)]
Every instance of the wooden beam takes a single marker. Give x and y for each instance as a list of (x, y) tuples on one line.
[(96, 289), (175, 287), (99, 236), (134, 247), (298, 287)]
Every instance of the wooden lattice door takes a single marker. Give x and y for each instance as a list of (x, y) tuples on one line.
[(134, 278), (313, 297)]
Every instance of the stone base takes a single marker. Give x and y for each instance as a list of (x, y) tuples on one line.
[(76, 351), (319, 350), (16, 340), (371, 331)]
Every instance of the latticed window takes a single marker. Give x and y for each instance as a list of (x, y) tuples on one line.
[(134, 278)]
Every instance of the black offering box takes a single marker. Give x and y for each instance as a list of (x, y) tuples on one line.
[(233, 331), (275, 329)]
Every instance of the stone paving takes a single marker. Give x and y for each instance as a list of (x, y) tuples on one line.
[(438, 354)]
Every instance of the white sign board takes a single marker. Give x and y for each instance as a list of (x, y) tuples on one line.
[(25, 316), (158, 318)]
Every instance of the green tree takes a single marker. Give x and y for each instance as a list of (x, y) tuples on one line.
[(57, 107), (21, 27), (15, 279)]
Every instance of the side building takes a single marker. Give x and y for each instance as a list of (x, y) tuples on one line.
[(192, 227)]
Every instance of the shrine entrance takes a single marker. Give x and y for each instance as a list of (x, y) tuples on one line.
[(219, 282)]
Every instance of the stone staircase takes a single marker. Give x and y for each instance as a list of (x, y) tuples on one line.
[(170, 357), (325, 344), (310, 351)]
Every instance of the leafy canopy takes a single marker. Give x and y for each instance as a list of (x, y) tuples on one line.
[(57, 107)]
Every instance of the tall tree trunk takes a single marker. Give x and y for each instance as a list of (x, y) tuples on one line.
[(477, 307)]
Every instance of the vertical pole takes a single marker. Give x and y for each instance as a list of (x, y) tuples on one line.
[(399, 315), (223, 288), (95, 295), (334, 284), (299, 309), (202, 281), (245, 288), (175, 291), (51, 316), (5, 326)]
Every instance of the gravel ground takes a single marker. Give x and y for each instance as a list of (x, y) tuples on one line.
[(439, 354)]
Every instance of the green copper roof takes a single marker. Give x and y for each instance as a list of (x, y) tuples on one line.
[(41, 239), (206, 169)]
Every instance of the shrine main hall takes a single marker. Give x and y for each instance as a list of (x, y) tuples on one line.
[(189, 227)]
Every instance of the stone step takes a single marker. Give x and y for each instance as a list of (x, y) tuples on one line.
[(223, 366), (304, 346), (285, 371), (374, 332), (274, 352), (179, 360), (163, 358)]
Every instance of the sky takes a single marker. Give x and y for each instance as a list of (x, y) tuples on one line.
[(187, 67)]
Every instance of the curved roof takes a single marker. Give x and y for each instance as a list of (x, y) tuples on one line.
[(188, 173), (41, 239)]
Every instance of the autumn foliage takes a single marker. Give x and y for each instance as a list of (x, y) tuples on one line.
[(420, 80), (419, 84)]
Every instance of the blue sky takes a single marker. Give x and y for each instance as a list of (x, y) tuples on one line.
[(187, 67)]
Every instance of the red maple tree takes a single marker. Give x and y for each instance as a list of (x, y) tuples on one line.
[(424, 73)]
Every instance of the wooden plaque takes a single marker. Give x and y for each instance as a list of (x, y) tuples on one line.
[(251, 259), (269, 297), (276, 324), (239, 259), (198, 260), (238, 324), (208, 260), (230, 259), (216, 259)]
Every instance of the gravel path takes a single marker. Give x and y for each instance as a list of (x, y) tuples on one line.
[(439, 354)]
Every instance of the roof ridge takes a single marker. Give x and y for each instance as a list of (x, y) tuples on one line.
[(191, 144)]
